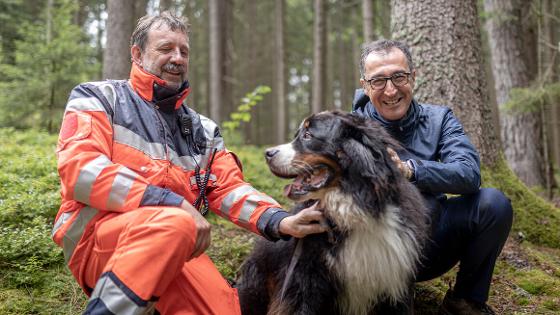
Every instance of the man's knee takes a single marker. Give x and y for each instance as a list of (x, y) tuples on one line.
[(175, 220), (495, 205), (169, 225)]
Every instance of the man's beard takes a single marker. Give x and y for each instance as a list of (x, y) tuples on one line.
[(169, 67)]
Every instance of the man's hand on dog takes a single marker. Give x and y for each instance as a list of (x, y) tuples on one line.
[(402, 165), (202, 230), (307, 221)]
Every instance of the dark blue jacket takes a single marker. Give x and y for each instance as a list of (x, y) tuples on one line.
[(444, 158)]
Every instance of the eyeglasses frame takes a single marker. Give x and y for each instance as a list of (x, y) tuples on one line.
[(407, 74)]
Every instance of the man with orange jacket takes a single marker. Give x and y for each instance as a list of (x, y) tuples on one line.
[(132, 160)]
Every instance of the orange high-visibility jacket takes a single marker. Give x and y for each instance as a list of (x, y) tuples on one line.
[(116, 153)]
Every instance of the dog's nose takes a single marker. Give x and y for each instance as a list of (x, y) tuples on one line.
[(269, 153)]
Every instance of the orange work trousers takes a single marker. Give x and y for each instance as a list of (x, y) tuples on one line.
[(139, 261)]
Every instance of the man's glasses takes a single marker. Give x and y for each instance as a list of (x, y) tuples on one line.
[(398, 79)]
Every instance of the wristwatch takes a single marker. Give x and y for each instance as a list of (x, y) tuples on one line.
[(412, 168)]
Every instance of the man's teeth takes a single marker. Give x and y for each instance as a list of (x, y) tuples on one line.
[(392, 102)]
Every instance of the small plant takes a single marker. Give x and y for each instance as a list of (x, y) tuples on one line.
[(243, 114)]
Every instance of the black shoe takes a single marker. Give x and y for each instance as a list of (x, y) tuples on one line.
[(458, 306)]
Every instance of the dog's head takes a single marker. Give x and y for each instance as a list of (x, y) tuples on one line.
[(336, 149)]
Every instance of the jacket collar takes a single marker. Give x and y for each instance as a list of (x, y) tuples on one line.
[(154, 89)]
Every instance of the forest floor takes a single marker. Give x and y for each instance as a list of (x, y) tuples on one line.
[(526, 279), (34, 280)]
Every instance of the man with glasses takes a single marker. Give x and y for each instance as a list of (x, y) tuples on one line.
[(438, 157)]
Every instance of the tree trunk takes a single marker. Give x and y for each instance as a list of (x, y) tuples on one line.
[(120, 24), (51, 85), (165, 5), (80, 15), (251, 40), (367, 16), (445, 40), (521, 133), (550, 70), (280, 82), (384, 14), (99, 49), (328, 76), (227, 49), (319, 54), (216, 67), (140, 9)]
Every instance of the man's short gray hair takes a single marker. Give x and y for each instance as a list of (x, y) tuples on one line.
[(140, 35), (384, 45)]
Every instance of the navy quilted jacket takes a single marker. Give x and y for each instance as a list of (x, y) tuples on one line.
[(444, 158)]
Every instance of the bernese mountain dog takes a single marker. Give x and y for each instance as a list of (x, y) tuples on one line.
[(377, 221)]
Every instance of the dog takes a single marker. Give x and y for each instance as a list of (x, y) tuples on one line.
[(378, 225)]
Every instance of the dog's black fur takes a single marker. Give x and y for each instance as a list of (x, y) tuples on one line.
[(342, 160)]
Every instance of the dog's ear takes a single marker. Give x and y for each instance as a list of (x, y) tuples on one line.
[(372, 160), (370, 173)]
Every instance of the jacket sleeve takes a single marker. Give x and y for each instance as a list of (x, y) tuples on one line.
[(457, 170), (238, 201), (84, 158)]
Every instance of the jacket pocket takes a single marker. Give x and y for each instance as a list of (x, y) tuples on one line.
[(75, 126)]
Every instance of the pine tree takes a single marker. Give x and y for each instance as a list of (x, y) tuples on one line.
[(51, 58)]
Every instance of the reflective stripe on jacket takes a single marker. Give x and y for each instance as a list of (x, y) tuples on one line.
[(117, 153)]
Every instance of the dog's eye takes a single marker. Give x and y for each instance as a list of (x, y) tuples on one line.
[(307, 135)]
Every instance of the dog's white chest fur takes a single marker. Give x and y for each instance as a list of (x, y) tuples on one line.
[(377, 258)]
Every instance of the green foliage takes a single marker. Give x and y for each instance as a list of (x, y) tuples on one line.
[(34, 280), (48, 62), (537, 282), (59, 295), (230, 245), (28, 249), (532, 99), (535, 218), (243, 114), (28, 202), (28, 178)]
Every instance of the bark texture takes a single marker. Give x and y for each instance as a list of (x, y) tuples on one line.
[(120, 24), (444, 37), (165, 5), (551, 71), (216, 60), (280, 82), (319, 54), (521, 133), (367, 15)]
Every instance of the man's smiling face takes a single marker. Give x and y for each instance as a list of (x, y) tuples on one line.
[(166, 55), (391, 102)]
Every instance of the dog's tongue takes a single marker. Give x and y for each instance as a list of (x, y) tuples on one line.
[(287, 190), (293, 187)]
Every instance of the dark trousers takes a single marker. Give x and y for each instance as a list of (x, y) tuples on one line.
[(470, 230)]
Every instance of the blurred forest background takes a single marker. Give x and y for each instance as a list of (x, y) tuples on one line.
[(306, 51), (258, 68)]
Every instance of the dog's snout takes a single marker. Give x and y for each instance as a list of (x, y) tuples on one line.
[(269, 153)]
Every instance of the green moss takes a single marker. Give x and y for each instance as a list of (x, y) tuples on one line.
[(535, 218), (59, 295), (537, 282), (522, 301), (552, 304), (34, 280), (229, 247)]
